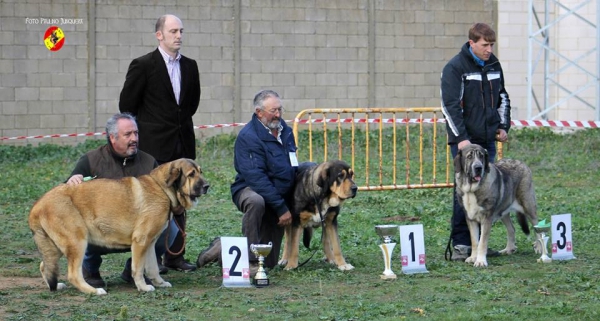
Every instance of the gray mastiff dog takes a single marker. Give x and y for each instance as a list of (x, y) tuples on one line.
[(489, 192)]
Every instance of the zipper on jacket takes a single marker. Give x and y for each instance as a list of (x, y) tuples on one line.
[(491, 95)]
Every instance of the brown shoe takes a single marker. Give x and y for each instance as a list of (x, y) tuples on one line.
[(211, 254), (180, 265)]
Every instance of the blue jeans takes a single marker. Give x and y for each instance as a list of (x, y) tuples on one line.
[(93, 254), (460, 230)]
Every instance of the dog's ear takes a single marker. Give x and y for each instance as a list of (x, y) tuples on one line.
[(486, 167), (174, 173), (458, 162), (322, 177)]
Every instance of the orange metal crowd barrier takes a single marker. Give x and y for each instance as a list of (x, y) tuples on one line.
[(388, 148)]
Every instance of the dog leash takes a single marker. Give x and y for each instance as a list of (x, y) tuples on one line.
[(448, 252), (183, 234)]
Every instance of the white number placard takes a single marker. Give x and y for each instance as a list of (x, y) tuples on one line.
[(412, 249), (236, 267), (562, 239)]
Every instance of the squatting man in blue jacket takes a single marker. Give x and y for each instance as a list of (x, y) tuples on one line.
[(265, 162)]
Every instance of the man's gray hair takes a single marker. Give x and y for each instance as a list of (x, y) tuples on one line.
[(261, 96), (111, 124)]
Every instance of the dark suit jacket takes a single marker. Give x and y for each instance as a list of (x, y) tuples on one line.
[(166, 129)]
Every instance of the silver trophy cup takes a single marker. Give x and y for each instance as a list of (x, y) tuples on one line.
[(386, 232), (261, 250), (541, 242)]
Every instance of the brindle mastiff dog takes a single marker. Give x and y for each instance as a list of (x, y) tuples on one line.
[(322, 187), (489, 192), (126, 213)]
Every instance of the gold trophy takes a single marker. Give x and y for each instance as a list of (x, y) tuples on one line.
[(261, 250), (540, 245), (386, 232)]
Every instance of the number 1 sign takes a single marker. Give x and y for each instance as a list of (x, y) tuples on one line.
[(412, 247), (236, 267), (562, 239)]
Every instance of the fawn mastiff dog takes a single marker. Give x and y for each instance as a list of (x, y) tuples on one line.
[(489, 192), (125, 213), (319, 193)]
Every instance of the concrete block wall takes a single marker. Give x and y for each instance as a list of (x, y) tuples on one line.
[(325, 54)]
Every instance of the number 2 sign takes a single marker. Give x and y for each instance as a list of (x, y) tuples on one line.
[(236, 267), (562, 239)]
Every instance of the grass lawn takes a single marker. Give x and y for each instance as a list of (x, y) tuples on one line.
[(566, 175)]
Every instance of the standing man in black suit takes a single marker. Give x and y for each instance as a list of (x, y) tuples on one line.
[(162, 89)]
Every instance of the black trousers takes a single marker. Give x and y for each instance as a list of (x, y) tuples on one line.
[(178, 244)]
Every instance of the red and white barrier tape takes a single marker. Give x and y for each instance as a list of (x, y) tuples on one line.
[(516, 123), (557, 123)]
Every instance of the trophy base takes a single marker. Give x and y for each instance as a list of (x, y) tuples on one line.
[(261, 283), (387, 277)]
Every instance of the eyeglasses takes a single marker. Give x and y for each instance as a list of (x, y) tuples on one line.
[(275, 111)]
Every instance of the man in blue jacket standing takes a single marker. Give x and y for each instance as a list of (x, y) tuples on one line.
[(477, 111), (265, 162)]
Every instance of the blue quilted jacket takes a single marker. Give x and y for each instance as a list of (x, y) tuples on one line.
[(263, 164)]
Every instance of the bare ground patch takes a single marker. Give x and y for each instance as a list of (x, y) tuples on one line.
[(12, 282)]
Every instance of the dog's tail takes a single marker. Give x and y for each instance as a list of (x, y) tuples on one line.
[(307, 236), (50, 252), (523, 222), (50, 275), (49, 267)]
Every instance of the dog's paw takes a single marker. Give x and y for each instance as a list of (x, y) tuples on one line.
[(164, 284), (146, 288), (100, 291), (282, 262), (471, 259), (329, 261), (61, 286), (290, 266), (480, 263), (346, 267), (508, 250)]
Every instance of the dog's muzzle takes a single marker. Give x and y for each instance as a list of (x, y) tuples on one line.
[(200, 190), (354, 189), (204, 189), (477, 171)]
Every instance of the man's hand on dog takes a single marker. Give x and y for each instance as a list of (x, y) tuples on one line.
[(285, 219), (75, 179)]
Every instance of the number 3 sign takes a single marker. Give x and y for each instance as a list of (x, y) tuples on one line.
[(236, 267), (562, 239)]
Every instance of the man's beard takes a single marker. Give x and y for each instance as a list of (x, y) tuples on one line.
[(131, 151), (273, 124)]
